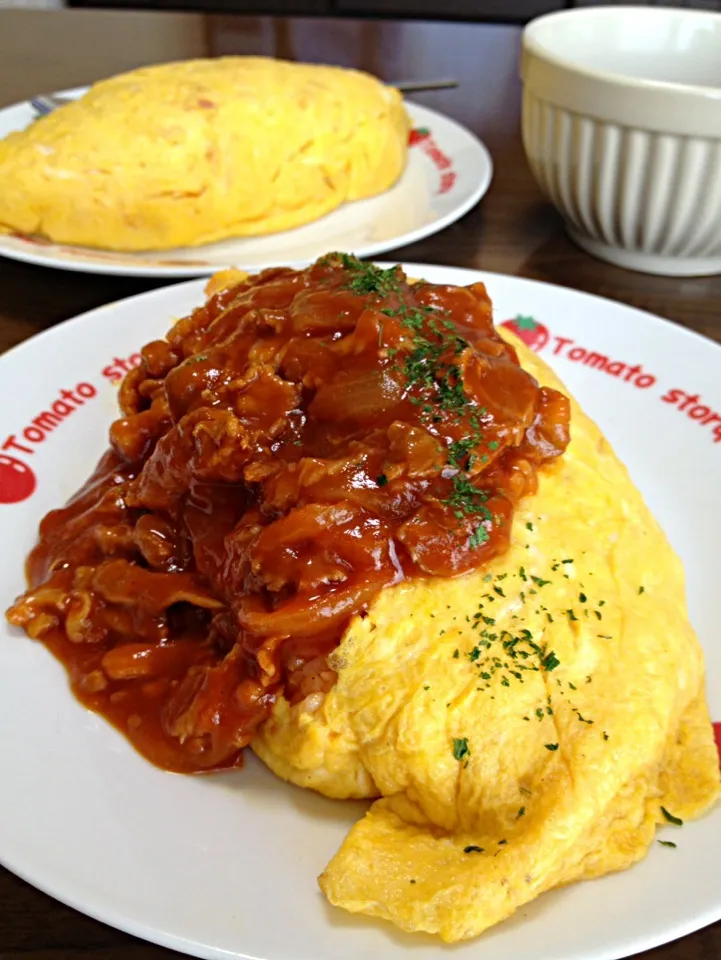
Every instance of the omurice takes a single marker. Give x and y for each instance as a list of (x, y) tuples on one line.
[(345, 521), (188, 153)]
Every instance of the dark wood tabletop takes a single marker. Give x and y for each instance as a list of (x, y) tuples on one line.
[(514, 230)]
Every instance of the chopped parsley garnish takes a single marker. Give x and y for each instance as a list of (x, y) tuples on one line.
[(550, 661), (529, 526), (676, 821), (459, 450), (641, 590), (431, 368), (667, 843), (552, 747), (460, 748), (367, 278), (466, 499), (480, 535), (521, 813), (473, 849), (381, 480)]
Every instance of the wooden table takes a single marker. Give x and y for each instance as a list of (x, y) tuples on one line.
[(513, 231)]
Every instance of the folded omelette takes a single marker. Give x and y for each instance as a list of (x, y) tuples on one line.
[(497, 783), (341, 521), (192, 152)]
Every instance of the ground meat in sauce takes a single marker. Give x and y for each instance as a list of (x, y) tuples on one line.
[(300, 442)]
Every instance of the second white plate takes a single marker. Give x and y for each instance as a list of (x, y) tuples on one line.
[(448, 172)]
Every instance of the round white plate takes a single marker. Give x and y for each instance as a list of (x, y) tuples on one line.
[(225, 866), (448, 172)]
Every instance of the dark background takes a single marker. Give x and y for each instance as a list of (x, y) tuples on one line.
[(508, 11)]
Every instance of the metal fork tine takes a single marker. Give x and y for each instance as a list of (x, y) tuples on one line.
[(46, 103)]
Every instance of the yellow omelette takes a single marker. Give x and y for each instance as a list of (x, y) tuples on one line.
[(192, 152), (497, 783)]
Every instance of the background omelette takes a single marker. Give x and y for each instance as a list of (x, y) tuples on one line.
[(192, 152), (499, 781)]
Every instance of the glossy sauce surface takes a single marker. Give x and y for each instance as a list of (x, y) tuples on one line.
[(295, 445)]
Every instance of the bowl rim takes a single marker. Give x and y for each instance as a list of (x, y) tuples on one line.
[(531, 45)]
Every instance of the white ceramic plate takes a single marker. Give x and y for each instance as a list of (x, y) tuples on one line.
[(448, 172), (224, 866)]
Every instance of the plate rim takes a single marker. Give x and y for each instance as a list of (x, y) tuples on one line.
[(483, 275), (98, 267)]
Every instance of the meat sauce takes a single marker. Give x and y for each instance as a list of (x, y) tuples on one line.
[(297, 444)]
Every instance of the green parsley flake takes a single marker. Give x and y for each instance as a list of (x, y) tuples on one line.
[(676, 821), (480, 535), (459, 450), (460, 748), (473, 849), (550, 661), (367, 278), (667, 843), (552, 747), (381, 480)]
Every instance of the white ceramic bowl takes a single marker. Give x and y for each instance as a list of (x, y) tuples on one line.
[(622, 129)]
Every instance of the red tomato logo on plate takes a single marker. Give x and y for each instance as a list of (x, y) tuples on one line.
[(534, 334), (417, 135), (17, 481)]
